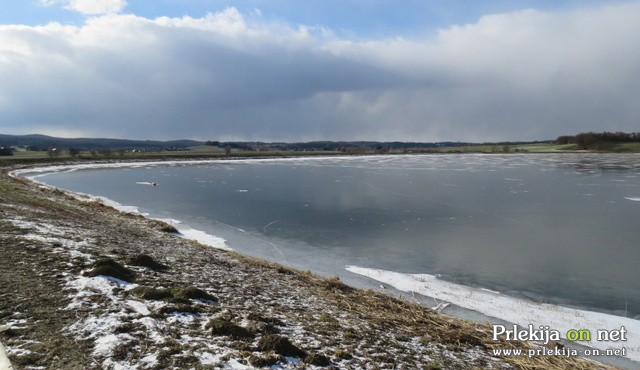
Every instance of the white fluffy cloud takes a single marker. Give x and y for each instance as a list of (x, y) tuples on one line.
[(89, 7), (521, 75)]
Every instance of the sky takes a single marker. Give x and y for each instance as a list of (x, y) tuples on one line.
[(290, 70)]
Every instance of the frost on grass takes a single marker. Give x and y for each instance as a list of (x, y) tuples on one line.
[(129, 333), (61, 239)]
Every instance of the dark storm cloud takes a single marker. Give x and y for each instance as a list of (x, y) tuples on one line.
[(524, 75)]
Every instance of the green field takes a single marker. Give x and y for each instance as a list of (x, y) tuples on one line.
[(546, 147), (538, 148), (628, 147), (507, 148), (200, 152), (204, 151)]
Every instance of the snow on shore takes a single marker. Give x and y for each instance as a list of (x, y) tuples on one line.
[(184, 230), (198, 235), (515, 310)]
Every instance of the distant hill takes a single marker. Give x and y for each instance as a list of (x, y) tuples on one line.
[(43, 142)]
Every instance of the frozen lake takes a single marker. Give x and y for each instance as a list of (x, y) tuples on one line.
[(560, 229)]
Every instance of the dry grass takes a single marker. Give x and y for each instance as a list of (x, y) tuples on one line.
[(385, 311)]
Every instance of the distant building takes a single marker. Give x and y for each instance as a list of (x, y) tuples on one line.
[(6, 151)]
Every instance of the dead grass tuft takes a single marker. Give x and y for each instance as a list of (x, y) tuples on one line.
[(165, 227), (177, 308), (263, 361), (151, 293), (334, 283), (109, 267), (268, 320), (280, 345), (342, 354), (195, 293), (317, 359), (144, 260), (221, 327)]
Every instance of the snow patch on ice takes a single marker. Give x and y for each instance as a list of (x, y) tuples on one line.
[(202, 237)]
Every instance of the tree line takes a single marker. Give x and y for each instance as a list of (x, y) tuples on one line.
[(599, 140)]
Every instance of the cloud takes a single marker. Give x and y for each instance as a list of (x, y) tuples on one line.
[(521, 75), (89, 7)]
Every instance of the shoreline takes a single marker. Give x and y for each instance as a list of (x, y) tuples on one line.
[(305, 277)]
